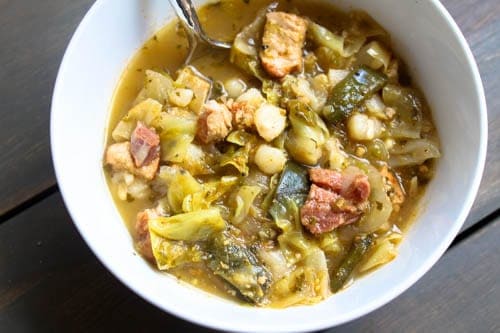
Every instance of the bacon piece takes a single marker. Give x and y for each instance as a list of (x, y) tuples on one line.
[(351, 184), (326, 178), (144, 145), (326, 210), (118, 156), (334, 199)]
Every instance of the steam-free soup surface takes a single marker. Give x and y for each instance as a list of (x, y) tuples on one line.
[(278, 172)]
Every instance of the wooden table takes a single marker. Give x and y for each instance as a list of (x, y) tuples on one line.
[(49, 279)]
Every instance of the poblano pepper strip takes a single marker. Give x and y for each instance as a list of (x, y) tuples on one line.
[(348, 94), (292, 185), (358, 250), (236, 264)]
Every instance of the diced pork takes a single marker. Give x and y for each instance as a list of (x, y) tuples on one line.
[(119, 157), (143, 238), (214, 123), (282, 43), (243, 115), (244, 108), (358, 189), (334, 199), (326, 210), (144, 145), (326, 178), (352, 184)]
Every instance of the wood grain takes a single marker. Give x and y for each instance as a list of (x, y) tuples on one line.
[(460, 294), (480, 22), (33, 37), (50, 281)]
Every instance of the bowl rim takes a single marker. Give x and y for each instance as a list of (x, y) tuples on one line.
[(320, 324)]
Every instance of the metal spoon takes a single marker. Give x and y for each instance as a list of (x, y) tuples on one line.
[(187, 14)]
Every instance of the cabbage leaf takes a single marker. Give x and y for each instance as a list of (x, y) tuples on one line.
[(244, 199), (148, 111), (191, 227), (178, 130), (413, 152), (169, 253)]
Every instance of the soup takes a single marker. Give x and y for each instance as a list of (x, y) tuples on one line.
[(277, 172)]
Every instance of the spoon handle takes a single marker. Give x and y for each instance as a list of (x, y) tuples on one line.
[(187, 14)]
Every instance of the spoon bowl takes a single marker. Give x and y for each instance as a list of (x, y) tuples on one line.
[(186, 13)]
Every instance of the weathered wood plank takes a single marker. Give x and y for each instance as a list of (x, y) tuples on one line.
[(50, 281), (33, 36), (460, 294), (480, 23)]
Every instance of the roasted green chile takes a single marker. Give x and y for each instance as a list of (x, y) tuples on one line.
[(358, 250), (348, 94)]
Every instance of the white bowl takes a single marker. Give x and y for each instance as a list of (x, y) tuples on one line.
[(425, 36)]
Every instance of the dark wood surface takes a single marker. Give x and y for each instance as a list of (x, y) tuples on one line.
[(49, 279), (58, 285), (33, 37), (480, 23)]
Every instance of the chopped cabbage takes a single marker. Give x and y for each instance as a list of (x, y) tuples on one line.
[(191, 227), (413, 152), (169, 253), (191, 79), (374, 55), (157, 86), (307, 136), (408, 106), (210, 193), (380, 203), (197, 161), (308, 283), (238, 158), (180, 184), (148, 111), (384, 250), (344, 45), (178, 129), (297, 88), (244, 199)]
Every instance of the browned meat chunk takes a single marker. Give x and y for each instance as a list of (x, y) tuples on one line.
[(118, 156), (282, 43), (243, 116), (334, 199), (144, 145), (244, 108), (326, 178), (326, 210), (142, 233), (352, 184), (214, 124), (358, 189)]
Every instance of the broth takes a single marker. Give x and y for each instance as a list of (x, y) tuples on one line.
[(264, 238)]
